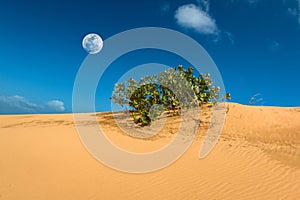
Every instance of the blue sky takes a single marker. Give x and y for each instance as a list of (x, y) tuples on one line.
[(254, 43)]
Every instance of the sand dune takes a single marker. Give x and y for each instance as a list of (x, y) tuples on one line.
[(257, 157)]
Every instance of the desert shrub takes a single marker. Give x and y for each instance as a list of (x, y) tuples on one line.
[(168, 91)]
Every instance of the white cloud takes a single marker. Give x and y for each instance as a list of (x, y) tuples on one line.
[(20, 105), (16, 104), (299, 12), (295, 11), (273, 45), (165, 7), (197, 18), (204, 4), (230, 37), (55, 105)]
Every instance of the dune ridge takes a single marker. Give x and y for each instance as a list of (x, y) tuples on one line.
[(257, 157)]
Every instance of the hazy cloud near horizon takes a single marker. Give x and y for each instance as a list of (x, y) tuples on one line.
[(20, 105)]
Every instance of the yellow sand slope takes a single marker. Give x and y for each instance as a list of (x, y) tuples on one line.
[(256, 157)]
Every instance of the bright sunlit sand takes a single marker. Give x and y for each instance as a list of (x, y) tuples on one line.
[(256, 157)]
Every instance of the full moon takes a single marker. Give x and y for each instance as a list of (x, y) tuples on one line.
[(92, 43)]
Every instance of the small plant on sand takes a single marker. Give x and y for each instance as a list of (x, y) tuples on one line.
[(152, 95)]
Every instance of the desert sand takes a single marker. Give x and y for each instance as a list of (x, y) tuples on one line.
[(257, 157)]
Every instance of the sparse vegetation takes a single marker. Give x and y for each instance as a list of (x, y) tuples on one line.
[(171, 90)]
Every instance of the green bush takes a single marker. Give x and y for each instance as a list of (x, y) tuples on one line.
[(167, 91)]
